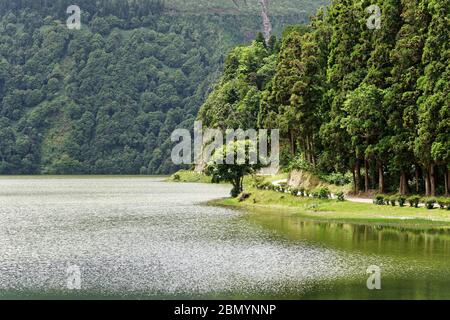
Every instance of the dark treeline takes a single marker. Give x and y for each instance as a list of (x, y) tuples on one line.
[(348, 98)]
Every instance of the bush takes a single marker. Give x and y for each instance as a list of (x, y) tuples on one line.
[(414, 201), (266, 186), (340, 196), (429, 203), (338, 179), (392, 200), (302, 192), (257, 181), (324, 193), (379, 199), (315, 194), (444, 203), (401, 200), (176, 177), (441, 202)]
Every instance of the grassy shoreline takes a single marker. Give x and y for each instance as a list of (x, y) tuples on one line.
[(262, 201)]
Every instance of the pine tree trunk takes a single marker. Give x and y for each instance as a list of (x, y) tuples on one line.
[(446, 181), (403, 183), (417, 179), (366, 176), (313, 155), (292, 142), (307, 151), (427, 183), (358, 177), (400, 185), (432, 180), (354, 180), (380, 178)]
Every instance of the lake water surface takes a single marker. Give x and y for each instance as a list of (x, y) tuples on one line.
[(144, 238)]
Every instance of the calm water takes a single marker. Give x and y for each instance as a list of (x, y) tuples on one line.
[(144, 238)]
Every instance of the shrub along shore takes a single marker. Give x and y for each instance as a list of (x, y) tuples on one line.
[(320, 204), (334, 210)]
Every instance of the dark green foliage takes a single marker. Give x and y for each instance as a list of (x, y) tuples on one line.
[(220, 170), (429, 202), (105, 99), (324, 193), (338, 179), (340, 196), (401, 200), (392, 200), (414, 201), (379, 199), (443, 202), (350, 101)]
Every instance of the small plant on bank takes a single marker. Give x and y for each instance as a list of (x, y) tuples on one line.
[(295, 192), (324, 193), (266, 186), (340, 196), (392, 200), (379, 199), (414, 201), (257, 182), (302, 192), (401, 200), (429, 203), (443, 203)]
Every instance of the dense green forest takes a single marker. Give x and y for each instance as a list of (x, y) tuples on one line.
[(348, 98), (105, 99)]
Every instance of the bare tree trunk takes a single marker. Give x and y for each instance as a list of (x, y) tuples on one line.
[(446, 181), (366, 176), (354, 180), (380, 177), (403, 183), (432, 180), (400, 188), (313, 156), (358, 177), (417, 178), (292, 142), (427, 183), (307, 151)]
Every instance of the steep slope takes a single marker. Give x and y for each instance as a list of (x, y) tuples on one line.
[(104, 99)]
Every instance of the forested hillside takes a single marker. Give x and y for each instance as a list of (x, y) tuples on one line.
[(105, 99), (348, 98)]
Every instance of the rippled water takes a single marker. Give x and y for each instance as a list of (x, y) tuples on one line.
[(142, 237)]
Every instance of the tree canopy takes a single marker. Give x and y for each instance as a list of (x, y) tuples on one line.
[(349, 98)]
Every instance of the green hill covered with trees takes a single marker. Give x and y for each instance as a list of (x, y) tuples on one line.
[(105, 99), (348, 98)]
